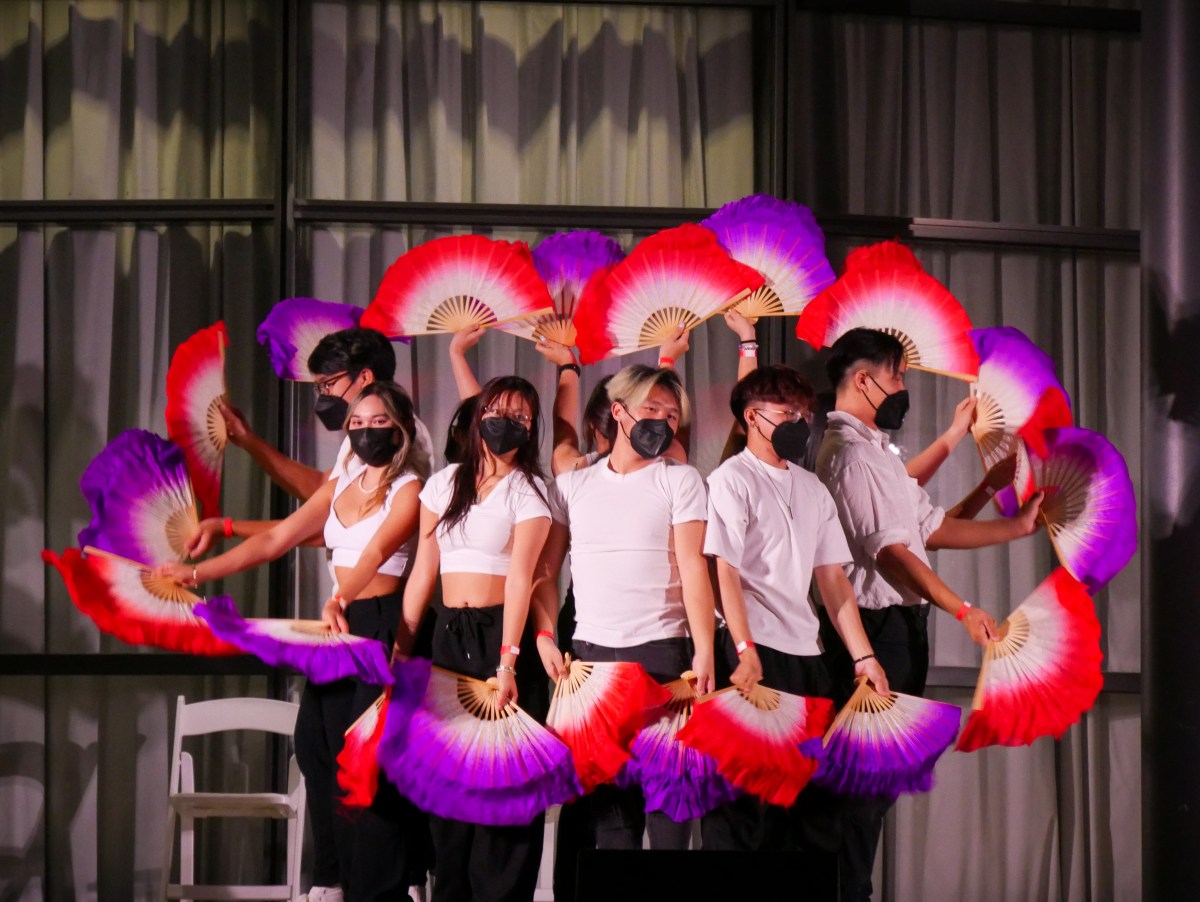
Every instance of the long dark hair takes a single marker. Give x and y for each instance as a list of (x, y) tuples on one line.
[(598, 420), (464, 493)]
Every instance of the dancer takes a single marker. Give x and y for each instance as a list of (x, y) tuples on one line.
[(368, 515), (636, 528), (483, 523), (889, 523), (772, 530)]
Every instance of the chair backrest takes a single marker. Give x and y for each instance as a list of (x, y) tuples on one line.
[(218, 715)]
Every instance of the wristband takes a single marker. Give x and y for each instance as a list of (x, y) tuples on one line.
[(227, 525), (504, 668), (509, 650), (547, 633), (341, 601), (864, 658), (962, 612), (666, 361), (748, 345), (742, 646), (748, 352), (988, 490), (573, 367)]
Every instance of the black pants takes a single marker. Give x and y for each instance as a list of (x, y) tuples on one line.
[(476, 863), (619, 816), (326, 711), (899, 637), (747, 824)]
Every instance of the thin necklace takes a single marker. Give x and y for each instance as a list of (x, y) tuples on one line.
[(787, 506)]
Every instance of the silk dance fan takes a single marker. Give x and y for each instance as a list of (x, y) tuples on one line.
[(308, 646), (596, 710), (1043, 673), (195, 391), (457, 282), (782, 241), (293, 329), (885, 288), (1019, 397), (676, 277), (1090, 510), (679, 781), (455, 753), (358, 761), (880, 746), (755, 737), (141, 499), (124, 599)]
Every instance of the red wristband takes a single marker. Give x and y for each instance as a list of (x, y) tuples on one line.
[(742, 646), (547, 633), (962, 612), (509, 650), (227, 524), (666, 361)]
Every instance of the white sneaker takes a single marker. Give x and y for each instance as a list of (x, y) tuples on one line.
[(322, 894), (416, 893)]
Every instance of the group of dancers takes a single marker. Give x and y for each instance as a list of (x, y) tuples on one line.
[(462, 565)]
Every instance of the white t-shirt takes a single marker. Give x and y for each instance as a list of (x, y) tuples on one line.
[(878, 503), (348, 542), (627, 587), (774, 525), (482, 541)]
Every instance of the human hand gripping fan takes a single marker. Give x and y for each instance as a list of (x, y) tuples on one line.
[(195, 391), (783, 242), (141, 498), (676, 277), (880, 746), (885, 288), (1090, 510), (679, 781), (597, 709), (453, 283), (755, 737), (294, 327), (1043, 673), (358, 761), (450, 749), (308, 646), (125, 600), (1019, 397)]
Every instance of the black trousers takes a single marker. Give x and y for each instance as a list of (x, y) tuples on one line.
[(618, 815), (476, 863), (747, 824), (899, 636)]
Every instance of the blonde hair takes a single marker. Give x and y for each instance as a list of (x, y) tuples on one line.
[(409, 457), (632, 385)]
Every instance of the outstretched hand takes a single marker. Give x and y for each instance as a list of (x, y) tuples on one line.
[(236, 427), (465, 339), (980, 626), (1027, 517), (556, 352), (742, 327), (675, 346)]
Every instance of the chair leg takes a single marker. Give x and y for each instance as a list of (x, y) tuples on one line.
[(187, 851)]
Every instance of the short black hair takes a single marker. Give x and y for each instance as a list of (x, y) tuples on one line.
[(869, 345), (352, 351), (775, 384)]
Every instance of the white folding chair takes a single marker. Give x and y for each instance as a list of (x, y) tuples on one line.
[(186, 805)]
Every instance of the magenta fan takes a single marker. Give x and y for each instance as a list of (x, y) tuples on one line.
[(883, 745), (676, 277), (141, 499), (1090, 509), (1018, 391), (195, 391), (1043, 673), (125, 600), (885, 288), (455, 753), (782, 241), (307, 646), (457, 282), (294, 327), (679, 781)]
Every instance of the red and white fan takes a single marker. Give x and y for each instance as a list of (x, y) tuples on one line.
[(1043, 673), (358, 761), (755, 737), (676, 278), (124, 599), (195, 391), (597, 710), (885, 288), (453, 283)]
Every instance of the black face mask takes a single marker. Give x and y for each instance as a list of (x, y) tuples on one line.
[(374, 445), (891, 412), (502, 434), (789, 440), (331, 410), (650, 438)]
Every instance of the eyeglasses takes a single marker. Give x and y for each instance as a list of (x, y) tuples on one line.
[(791, 416), (324, 385), (523, 418)]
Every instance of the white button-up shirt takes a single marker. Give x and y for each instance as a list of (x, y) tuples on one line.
[(878, 503)]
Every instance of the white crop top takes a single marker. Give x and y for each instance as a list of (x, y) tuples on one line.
[(348, 542), (482, 541)]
